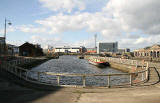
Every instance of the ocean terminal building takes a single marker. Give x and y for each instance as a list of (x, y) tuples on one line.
[(67, 49)]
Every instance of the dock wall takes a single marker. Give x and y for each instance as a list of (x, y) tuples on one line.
[(124, 65)]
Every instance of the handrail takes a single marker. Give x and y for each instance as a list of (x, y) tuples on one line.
[(70, 74), (121, 60), (23, 73)]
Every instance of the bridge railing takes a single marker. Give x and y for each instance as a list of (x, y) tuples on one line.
[(57, 78)]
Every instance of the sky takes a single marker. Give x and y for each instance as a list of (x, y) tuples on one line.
[(133, 23)]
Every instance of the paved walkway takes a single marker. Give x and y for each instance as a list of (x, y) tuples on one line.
[(149, 94)]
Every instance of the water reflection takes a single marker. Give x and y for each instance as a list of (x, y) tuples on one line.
[(71, 64)]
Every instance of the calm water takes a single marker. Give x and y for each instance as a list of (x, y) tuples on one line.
[(71, 64)]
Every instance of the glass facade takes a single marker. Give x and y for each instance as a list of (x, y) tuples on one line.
[(108, 47)]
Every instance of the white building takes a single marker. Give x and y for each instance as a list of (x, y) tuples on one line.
[(68, 49)]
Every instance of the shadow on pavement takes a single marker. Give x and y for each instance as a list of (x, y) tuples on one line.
[(20, 91)]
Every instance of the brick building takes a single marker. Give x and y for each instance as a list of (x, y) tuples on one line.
[(28, 49), (152, 52)]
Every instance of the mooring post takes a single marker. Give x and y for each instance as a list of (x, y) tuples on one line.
[(142, 76), (38, 76), (16, 70), (147, 68), (109, 81), (26, 74), (58, 80), (20, 73), (136, 64), (131, 79), (84, 81)]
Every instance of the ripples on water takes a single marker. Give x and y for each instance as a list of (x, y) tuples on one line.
[(71, 64)]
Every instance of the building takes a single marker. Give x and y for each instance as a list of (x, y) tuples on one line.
[(104, 47), (67, 49), (91, 50), (12, 50), (148, 52), (2, 45), (28, 49), (121, 51)]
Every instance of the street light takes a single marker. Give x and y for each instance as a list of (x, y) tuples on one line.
[(5, 30)]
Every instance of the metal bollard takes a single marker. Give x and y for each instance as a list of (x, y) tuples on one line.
[(131, 79), (109, 81), (38, 76), (58, 80), (142, 76), (84, 81)]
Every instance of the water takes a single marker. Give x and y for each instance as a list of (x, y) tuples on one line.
[(71, 64)]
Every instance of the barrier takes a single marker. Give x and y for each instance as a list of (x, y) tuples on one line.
[(140, 76)]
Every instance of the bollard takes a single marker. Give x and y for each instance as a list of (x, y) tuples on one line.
[(16, 71), (38, 76), (84, 81), (142, 77), (147, 68), (26, 75), (58, 80), (108, 81), (131, 79), (20, 74), (136, 64)]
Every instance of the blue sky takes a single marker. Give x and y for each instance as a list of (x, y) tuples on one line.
[(74, 22)]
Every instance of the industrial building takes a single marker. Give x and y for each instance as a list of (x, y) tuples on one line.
[(107, 47)]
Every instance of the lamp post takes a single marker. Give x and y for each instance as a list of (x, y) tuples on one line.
[(5, 30)]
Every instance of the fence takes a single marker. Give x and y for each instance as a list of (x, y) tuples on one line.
[(135, 63), (133, 78)]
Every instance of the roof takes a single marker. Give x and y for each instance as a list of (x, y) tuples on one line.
[(65, 47), (153, 47)]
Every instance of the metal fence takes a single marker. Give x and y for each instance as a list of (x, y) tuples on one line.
[(57, 78), (135, 63)]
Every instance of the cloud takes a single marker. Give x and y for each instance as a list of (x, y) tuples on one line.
[(92, 22), (130, 22), (1, 32), (136, 14), (63, 5), (9, 29), (45, 41), (30, 29)]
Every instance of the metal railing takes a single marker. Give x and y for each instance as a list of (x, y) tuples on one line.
[(135, 63), (137, 77)]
